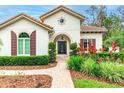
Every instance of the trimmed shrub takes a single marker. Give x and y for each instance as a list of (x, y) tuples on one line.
[(111, 57), (90, 67), (121, 56), (74, 49), (23, 60), (52, 52), (75, 62)]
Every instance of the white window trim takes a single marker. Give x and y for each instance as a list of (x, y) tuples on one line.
[(23, 47), (87, 42)]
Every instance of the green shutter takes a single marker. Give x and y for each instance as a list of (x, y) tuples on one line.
[(27, 46), (20, 46)]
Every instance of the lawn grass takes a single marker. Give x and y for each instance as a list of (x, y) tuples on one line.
[(80, 83)]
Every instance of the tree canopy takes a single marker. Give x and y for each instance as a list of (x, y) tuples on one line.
[(112, 22)]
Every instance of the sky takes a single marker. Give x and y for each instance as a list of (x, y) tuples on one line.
[(8, 11)]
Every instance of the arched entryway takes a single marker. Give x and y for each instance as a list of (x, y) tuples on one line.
[(62, 43)]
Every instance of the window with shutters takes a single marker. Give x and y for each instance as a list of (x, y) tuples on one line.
[(87, 42), (23, 44)]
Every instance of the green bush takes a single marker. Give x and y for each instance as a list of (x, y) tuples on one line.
[(112, 71), (52, 52), (23, 60), (121, 56), (74, 49), (75, 62), (90, 67), (113, 57), (109, 70), (102, 54)]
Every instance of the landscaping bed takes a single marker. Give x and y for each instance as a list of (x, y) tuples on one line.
[(83, 80), (111, 71), (26, 81), (105, 71), (50, 65)]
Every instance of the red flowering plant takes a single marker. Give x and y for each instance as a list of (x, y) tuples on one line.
[(81, 49), (92, 48), (114, 47)]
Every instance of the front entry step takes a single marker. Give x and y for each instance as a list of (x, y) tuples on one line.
[(62, 57)]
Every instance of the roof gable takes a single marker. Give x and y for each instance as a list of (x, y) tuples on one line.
[(62, 8), (29, 18)]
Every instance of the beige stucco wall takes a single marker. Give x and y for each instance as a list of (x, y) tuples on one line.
[(70, 27), (23, 25), (97, 36)]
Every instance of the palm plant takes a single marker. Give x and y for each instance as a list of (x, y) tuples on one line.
[(117, 36), (75, 62), (90, 67), (112, 71), (115, 30)]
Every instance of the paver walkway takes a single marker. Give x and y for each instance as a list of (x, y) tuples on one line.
[(61, 76)]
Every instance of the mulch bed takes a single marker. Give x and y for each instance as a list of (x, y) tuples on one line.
[(28, 67), (81, 75), (27, 81)]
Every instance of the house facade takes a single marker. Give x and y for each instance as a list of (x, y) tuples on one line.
[(22, 35)]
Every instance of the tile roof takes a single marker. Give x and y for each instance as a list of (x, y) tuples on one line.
[(22, 15), (64, 9), (89, 28)]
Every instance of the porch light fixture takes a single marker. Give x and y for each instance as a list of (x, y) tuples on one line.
[(62, 37)]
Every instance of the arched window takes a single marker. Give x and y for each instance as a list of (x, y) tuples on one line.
[(24, 44), (23, 35)]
